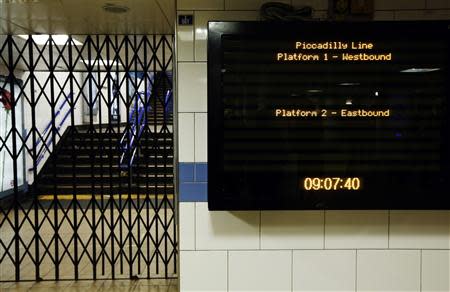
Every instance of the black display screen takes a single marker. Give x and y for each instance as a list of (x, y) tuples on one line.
[(324, 115)]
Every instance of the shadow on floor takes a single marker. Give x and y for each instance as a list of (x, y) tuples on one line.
[(99, 285)]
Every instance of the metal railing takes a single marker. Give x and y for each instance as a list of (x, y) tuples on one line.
[(129, 138), (128, 146), (46, 134)]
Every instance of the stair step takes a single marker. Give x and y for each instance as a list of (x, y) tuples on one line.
[(97, 136), (116, 189), (118, 135), (79, 152), (115, 143), (105, 169), (105, 160), (105, 180), (94, 158)]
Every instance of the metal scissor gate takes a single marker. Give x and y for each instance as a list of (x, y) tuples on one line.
[(86, 157)]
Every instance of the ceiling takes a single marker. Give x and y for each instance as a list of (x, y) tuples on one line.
[(86, 17)]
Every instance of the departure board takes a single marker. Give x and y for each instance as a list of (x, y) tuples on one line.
[(328, 115)]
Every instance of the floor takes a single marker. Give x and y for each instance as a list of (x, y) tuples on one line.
[(115, 241), (99, 285), (119, 235)]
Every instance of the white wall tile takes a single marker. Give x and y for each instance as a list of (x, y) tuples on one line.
[(419, 229), (187, 226), (200, 4), (203, 271), (388, 270), (192, 81), (260, 271), (226, 230), (438, 4), (320, 14), (422, 15), (201, 137), (435, 270), (185, 40), (201, 26), (384, 15), (399, 4), (356, 229), (186, 137), (247, 4), (315, 4), (324, 270), (292, 229)]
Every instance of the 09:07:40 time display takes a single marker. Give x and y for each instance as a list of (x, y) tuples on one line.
[(331, 183)]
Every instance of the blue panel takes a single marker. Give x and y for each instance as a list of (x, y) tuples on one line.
[(193, 192), (201, 172), (186, 172)]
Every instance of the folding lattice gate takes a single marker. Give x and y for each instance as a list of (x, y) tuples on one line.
[(86, 151)]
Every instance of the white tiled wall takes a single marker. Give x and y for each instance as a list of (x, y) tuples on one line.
[(192, 87), (201, 136), (247, 5), (297, 251), (187, 226), (422, 14), (260, 270), (321, 251), (356, 229), (200, 4), (438, 4), (226, 230), (186, 137), (420, 229), (324, 270), (388, 270), (316, 4), (292, 230), (185, 40), (204, 271), (435, 270), (400, 4)]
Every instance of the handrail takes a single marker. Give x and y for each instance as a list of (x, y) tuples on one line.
[(130, 118), (129, 147), (47, 141), (141, 120), (139, 109), (167, 101), (50, 123)]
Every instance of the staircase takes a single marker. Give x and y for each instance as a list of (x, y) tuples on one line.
[(97, 160), (86, 161)]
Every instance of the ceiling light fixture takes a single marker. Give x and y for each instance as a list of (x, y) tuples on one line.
[(420, 70), (58, 39), (18, 1), (349, 84), (114, 8)]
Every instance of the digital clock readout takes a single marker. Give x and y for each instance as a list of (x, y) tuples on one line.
[(331, 183)]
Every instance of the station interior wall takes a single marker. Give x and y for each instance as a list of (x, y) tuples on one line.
[(385, 250)]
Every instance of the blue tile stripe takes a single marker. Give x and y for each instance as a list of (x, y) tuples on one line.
[(201, 172), (193, 181), (186, 172), (193, 192)]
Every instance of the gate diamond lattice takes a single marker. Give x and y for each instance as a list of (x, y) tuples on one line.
[(86, 151)]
